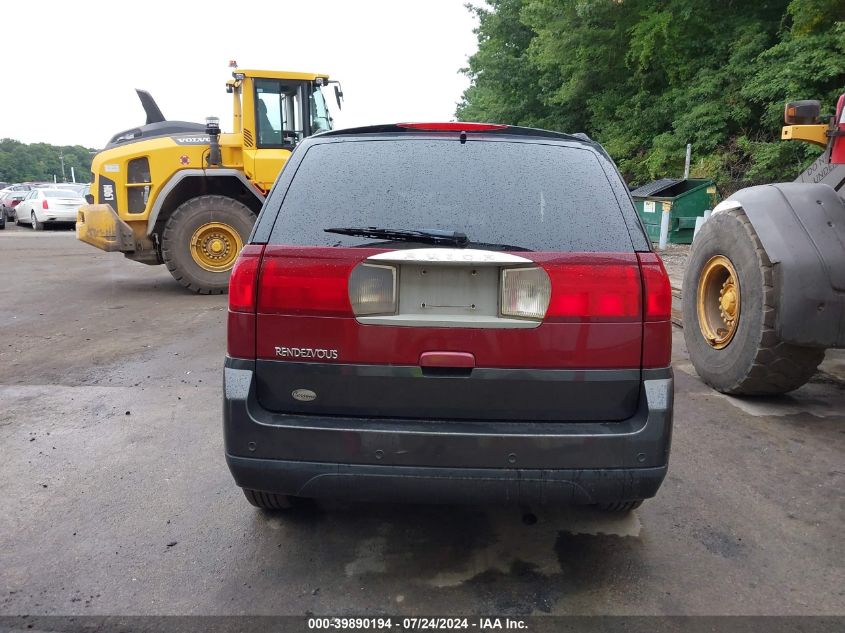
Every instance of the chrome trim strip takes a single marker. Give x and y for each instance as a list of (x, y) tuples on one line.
[(449, 321), (449, 256)]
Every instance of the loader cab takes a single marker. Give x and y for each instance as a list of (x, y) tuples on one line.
[(275, 111)]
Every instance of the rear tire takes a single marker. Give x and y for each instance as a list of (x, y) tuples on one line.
[(755, 361), (36, 225), (186, 261), (620, 507), (268, 500)]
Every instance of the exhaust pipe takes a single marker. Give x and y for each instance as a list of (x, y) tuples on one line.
[(212, 128)]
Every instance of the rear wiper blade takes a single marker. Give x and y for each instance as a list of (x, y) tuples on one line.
[(501, 247), (428, 236)]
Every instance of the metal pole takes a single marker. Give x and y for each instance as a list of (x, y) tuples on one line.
[(72, 175), (699, 222), (664, 229), (62, 158), (689, 158)]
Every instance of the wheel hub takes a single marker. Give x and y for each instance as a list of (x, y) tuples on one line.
[(728, 301), (718, 301), (215, 246)]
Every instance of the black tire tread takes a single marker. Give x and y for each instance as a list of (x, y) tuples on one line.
[(169, 244), (621, 506), (267, 500)]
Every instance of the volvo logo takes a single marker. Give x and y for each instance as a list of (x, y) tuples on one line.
[(192, 140)]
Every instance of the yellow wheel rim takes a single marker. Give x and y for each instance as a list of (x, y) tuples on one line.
[(718, 301), (215, 246)]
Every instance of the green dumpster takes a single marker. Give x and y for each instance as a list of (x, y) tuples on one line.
[(683, 199)]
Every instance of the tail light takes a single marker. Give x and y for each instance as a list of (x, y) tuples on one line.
[(244, 280), (657, 325), (657, 289), (372, 290), (525, 292), (243, 288), (592, 291), (44, 204), (15, 203), (305, 284)]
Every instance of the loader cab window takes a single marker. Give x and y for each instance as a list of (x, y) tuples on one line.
[(321, 120), (278, 112)]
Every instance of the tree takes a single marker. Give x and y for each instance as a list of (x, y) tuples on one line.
[(645, 77), (20, 162)]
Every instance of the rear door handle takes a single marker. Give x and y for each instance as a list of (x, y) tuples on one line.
[(447, 363)]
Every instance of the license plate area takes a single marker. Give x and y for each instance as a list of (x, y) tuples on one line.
[(444, 287), (468, 291)]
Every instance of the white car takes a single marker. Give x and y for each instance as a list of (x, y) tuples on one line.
[(48, 205)]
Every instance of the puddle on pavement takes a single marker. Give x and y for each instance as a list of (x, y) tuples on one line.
[(507, 542), (534, 546), (498, 555), (370, 554)]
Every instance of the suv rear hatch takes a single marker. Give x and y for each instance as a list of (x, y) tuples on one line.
[(537, 314)]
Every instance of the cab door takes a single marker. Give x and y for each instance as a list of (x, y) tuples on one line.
[(279, 126)]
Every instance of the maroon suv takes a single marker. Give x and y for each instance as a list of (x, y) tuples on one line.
[(453, 312)]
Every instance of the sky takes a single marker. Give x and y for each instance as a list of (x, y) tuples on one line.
[(397, 60)]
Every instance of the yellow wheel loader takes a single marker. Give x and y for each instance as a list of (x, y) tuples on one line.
[(764, 287), (186, 195)]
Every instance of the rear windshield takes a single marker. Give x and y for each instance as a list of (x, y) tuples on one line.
[(60, 193), (526, 195)]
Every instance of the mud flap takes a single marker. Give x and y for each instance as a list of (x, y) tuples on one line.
[(802, 228), (99, 226)]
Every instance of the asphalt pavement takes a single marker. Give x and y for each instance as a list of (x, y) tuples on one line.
[(115, 497)]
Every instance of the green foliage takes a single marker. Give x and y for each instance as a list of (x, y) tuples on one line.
[(646, 77), (21, 162)]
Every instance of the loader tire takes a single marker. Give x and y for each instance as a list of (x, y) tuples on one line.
[(754, 361), (202, 239)]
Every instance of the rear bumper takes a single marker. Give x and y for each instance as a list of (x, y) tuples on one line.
[(447, 460), (418, 484), (57, 216)]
